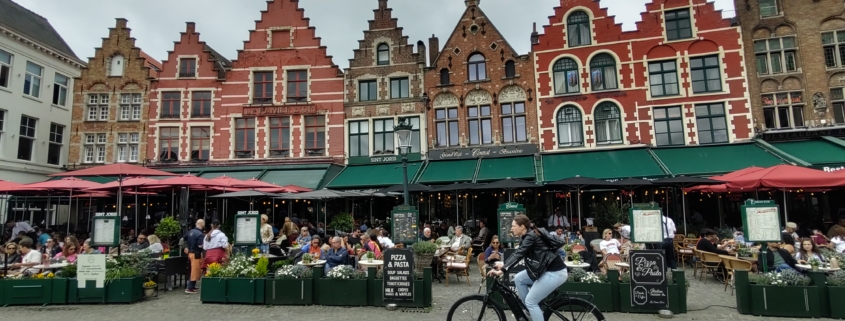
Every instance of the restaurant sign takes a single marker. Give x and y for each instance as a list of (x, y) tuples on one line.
[(381, 159), (776, 136), (280, 110), (483, 152)]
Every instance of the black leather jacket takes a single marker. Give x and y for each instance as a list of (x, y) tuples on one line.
[(538, 253)]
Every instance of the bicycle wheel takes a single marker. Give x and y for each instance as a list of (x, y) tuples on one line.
[(574, 309), (471, 308)]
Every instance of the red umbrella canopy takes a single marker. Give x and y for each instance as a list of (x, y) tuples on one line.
[(6, 186), (255, 183), (127, 182), (119, 169), (186, 180), (786, 176), (233, 182), (722, 188), (737, 173), (64, 184)]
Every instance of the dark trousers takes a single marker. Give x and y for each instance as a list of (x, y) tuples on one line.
[(669, 248)]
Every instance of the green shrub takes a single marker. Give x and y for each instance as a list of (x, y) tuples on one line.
[(425, 248)]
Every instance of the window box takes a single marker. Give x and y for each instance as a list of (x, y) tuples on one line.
[(232, 290), (128, 290), (33, 291), (289, 292)]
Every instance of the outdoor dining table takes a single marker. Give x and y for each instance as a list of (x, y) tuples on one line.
[(573, 265), (368, 264), (313, 263), (52, 266), (822, 269)]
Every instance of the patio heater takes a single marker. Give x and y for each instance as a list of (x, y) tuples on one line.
[(403, 134)]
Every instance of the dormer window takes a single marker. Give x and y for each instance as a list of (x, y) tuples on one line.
[(116, 66), (477, 68), (578, 29), (383, 53), (444, 76)]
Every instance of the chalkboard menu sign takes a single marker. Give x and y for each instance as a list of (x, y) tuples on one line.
[(398, 275), (247, 228), (761, 221), (405, 224), (648, 279), (646, 223), (506, 213)]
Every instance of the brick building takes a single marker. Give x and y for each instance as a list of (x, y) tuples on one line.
[(482, 105), (599, 86), (796, 62), (384, 82), (110, 103), (185, 110)]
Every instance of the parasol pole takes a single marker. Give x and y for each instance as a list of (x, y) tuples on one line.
[(578, 193), (684, 205), (70, 204), (136, 210), (719, 200), (147, 211), (785, 210)]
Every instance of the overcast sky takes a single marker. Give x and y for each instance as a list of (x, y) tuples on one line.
[(224, 24)]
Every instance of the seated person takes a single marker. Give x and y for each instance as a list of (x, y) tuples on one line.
[(779, 259), (69, 252), (787, 243), (31, 258), (384, 240), (426, 235), (368, 245), (304, 236), (708, 241), (494, 252), (336, 255), (460, 242), (155, 244), (313, 248), (609, 245), (142, 244), (11, 255), (87, 249), (808, 251)]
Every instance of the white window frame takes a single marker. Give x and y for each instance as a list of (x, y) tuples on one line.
[(781, 52), (33, 81), (130, 106), (6, 67), (62, 89), (56, 142), (838, 46), (97, 103)]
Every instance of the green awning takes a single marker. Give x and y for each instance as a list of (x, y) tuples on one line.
[(242, 175), (449, 171), (827, 151), (714, 160), (501, 168), (607, 164), (308, 178), (371, 176)]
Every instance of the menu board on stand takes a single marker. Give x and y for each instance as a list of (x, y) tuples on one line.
[(504, 218), (761, 223), (648, 279), (398, 275), (247, 228), (405, 224), (106, 231), (646, 222)]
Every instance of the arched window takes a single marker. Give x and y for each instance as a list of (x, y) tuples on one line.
[(444, 76), (608, 124), (566, 76), (603, 72), (116, 68), (569, 132), (578, 24), (383, 54), (510, 69), (477, 67)]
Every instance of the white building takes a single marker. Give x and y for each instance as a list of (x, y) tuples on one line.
[(37, 70)]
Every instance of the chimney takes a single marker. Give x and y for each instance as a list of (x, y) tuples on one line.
[(121, 23), (535, 37), (382, 4), (433, 49), (190, 27), (421, 52), (471, 3)]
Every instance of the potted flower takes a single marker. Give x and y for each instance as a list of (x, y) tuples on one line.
[(255, 252), (783, 294), (581, 281), (576, 258), (342, 286), (307, 258), (236, 282), (149, 288), (370, 256), (423, 255), (814, 264), (292, 285)]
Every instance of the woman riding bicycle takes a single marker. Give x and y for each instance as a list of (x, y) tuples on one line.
[(544, 268)]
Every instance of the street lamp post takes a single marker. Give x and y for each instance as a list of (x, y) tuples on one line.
[(403, 130)]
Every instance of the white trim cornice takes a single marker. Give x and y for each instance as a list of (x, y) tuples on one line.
[(74, 62)]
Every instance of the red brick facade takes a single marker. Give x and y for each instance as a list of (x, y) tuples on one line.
[(280, 101), (602, 66), (191, 76), (463, 97)]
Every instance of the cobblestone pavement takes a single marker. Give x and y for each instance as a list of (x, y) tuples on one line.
[(705, 302)]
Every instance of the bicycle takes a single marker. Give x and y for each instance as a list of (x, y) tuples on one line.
[(552, 306)]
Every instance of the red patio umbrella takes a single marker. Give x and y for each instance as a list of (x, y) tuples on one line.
[(785, 177), (255, 183), (7, 186), (127, 182), (299, 189), (723, 188), (67, 184), (186, 180), (119, 169)]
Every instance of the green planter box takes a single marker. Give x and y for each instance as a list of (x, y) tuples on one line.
[(213, 290), (30, 292), (232, 290), (127, 290), (341, 292), (602, 293), (60, 290), (836, 297), (289, 292), (785, 301)]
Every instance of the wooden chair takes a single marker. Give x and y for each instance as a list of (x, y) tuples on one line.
[(481, 265), (399, 246), (596, 245), (711, 262), (699, 262), (684, 253), (458, 267), (732, 265), (611, 260), (578, 248)]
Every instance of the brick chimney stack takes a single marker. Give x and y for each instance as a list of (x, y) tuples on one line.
[(433, 48)]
